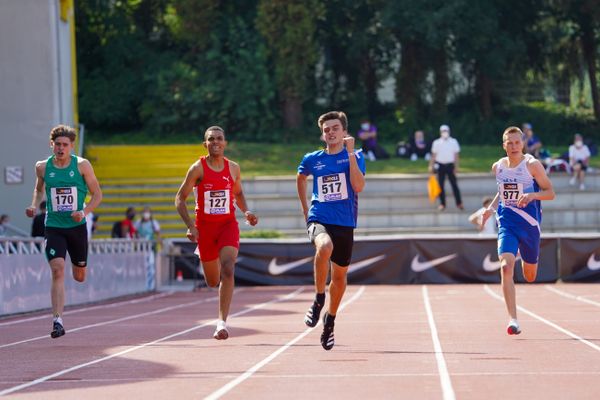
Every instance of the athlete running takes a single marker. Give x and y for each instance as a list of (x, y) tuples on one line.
[(218, 185), (67, 179), (339, 175), (522, 184)]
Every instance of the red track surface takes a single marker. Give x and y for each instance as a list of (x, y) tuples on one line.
[(393, 342)]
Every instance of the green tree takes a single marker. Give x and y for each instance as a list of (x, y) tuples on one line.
[(289, 28)]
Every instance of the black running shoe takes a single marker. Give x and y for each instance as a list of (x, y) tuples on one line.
[(312, 315), (57, 330), (327, 340)]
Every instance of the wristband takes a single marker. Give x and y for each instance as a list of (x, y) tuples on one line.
[(351, 154), (248, 212)]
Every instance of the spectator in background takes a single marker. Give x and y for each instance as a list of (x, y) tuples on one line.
[(477, 217), (419, 147), (38, 226), (147, 227), (444, 159), (127, 228), (4, 224), (533, 145), (90, 223), (579, 158), (368, 135)]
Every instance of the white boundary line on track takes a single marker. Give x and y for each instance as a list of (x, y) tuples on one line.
[(447, 390), (241, 378), (113, 321), (572, 296), (141, 346), (111, 305), (545, 321)]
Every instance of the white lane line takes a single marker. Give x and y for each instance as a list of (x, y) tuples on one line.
[(196, 376), (447, 390), (114, 321), (85, 309), (572, 296), (241, 378), (141, 346), (545, 321)]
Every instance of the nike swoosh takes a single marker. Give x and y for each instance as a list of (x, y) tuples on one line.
[(278, 269), (420, 266), (592, 263), (489, 265), (357, 266)]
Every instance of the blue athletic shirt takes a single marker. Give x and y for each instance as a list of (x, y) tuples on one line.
[(512, 182), (333, 199)]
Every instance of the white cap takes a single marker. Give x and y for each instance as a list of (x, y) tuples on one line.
[(444, 128)]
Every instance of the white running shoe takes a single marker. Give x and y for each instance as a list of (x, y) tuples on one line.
[(572, 181), (221, 333), (513, 327)]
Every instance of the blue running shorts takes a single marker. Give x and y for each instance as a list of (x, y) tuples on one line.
[(525, 238)]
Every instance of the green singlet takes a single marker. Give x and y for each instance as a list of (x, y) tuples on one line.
[(65, 192)]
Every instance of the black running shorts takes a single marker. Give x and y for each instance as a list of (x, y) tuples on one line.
[(74, 240), (342, 238)]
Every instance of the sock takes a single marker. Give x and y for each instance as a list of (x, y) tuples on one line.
[(57, 318), (320, 298), (329, 319)]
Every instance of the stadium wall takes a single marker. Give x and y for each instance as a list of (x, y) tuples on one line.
[(37, 92)]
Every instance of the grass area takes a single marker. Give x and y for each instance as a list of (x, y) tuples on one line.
[(258, 159)]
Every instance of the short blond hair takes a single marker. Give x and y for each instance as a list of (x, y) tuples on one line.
[(509, 130)]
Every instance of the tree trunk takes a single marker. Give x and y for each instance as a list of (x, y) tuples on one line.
[(410, 75), (442, 83), (483, 86), (588, 44), (370, 82), (292, 112)]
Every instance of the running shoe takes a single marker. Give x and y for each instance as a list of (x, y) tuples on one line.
[(513, 327), (57, 330), (221, 332), (312, 315), (327, 340)]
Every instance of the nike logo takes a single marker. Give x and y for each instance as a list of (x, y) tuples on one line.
[(490, 266), (278, 269), (363, 264), (592, 263), (420, 266)]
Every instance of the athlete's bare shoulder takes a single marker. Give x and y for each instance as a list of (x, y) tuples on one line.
[(234, 168), (498, 163), (40, 167)]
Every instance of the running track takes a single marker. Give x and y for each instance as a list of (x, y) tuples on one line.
[(392, 342)]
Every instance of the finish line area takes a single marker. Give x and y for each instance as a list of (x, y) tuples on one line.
[(392, 341)]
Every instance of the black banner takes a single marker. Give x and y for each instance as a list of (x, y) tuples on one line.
[(386, 261), (580, 260)]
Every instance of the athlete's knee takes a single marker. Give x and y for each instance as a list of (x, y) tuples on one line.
[(325, 248), (227, 270)]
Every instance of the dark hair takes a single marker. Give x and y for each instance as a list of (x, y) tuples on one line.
[(63, 130), (213, 128), (334, 115)]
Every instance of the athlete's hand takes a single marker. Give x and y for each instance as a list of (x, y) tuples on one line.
[(78, 216), (192, 234), (251, 219), (349, 143), (525, 199), (30, 212), (485, 216)]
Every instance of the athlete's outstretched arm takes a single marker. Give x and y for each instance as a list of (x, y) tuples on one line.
[(238, 192), (301, 188), (193, 176), (38, 190), (87, 171)]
